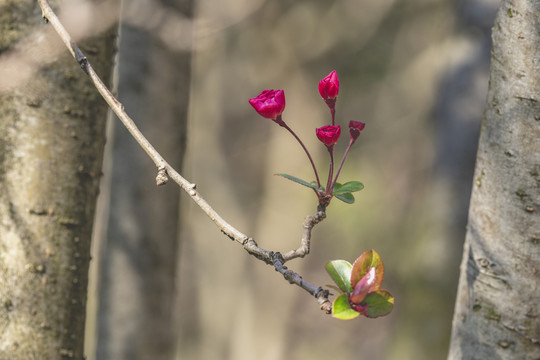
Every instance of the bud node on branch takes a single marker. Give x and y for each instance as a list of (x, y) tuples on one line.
[(161, 177)]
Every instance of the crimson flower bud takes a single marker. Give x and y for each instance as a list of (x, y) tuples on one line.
[(355, 127), (329, 86), (269, 104), (329, 134)]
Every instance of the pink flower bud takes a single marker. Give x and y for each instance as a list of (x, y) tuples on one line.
[(355, 127), (328, 135), (329, 86), (269, 104)]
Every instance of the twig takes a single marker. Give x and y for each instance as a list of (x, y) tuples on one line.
[(294, 278), (165, 171), (308, 224)]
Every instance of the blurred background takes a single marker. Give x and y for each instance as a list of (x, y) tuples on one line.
[(415, 71)]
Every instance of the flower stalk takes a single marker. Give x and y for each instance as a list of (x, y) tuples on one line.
[(305, 150), (355, 127), (329, 90)]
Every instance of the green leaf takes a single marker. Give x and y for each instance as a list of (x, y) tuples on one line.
[(348, 187), (380, 303), (340, 272), (346, 198), (369, 259), (312, 185), (342, 310)]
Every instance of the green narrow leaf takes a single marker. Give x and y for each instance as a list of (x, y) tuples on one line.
[(380, 303), (369, 259), (342, 310), (340, 272), (348, 187), (299, 181), (346, 198)]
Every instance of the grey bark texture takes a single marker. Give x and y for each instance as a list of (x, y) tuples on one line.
[(52, 133), (497, 308), (139, 253)]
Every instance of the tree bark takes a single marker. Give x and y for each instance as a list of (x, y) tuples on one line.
[(497, 308), (139, 254), (51, 144)]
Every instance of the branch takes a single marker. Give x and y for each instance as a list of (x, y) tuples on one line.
[(308, 224), (165, 171), (294, 278)]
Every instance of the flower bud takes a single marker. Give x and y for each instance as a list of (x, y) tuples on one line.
[(269, 104), (328, 135), (355, 127), (329, 86)]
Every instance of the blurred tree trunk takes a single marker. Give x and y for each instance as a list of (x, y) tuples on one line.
[(497, 309), (52, 133), (138, 257)]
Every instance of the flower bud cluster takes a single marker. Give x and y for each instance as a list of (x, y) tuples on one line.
[(270, 104)]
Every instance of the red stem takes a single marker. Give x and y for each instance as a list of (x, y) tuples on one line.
[(343, 161), (329, 184), (332, 105), (305, 149)]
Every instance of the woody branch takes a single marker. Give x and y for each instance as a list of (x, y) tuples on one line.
[(165, 171)]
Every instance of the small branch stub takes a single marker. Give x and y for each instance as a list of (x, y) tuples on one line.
[(192, 188), (162, 178), (79, 56)]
